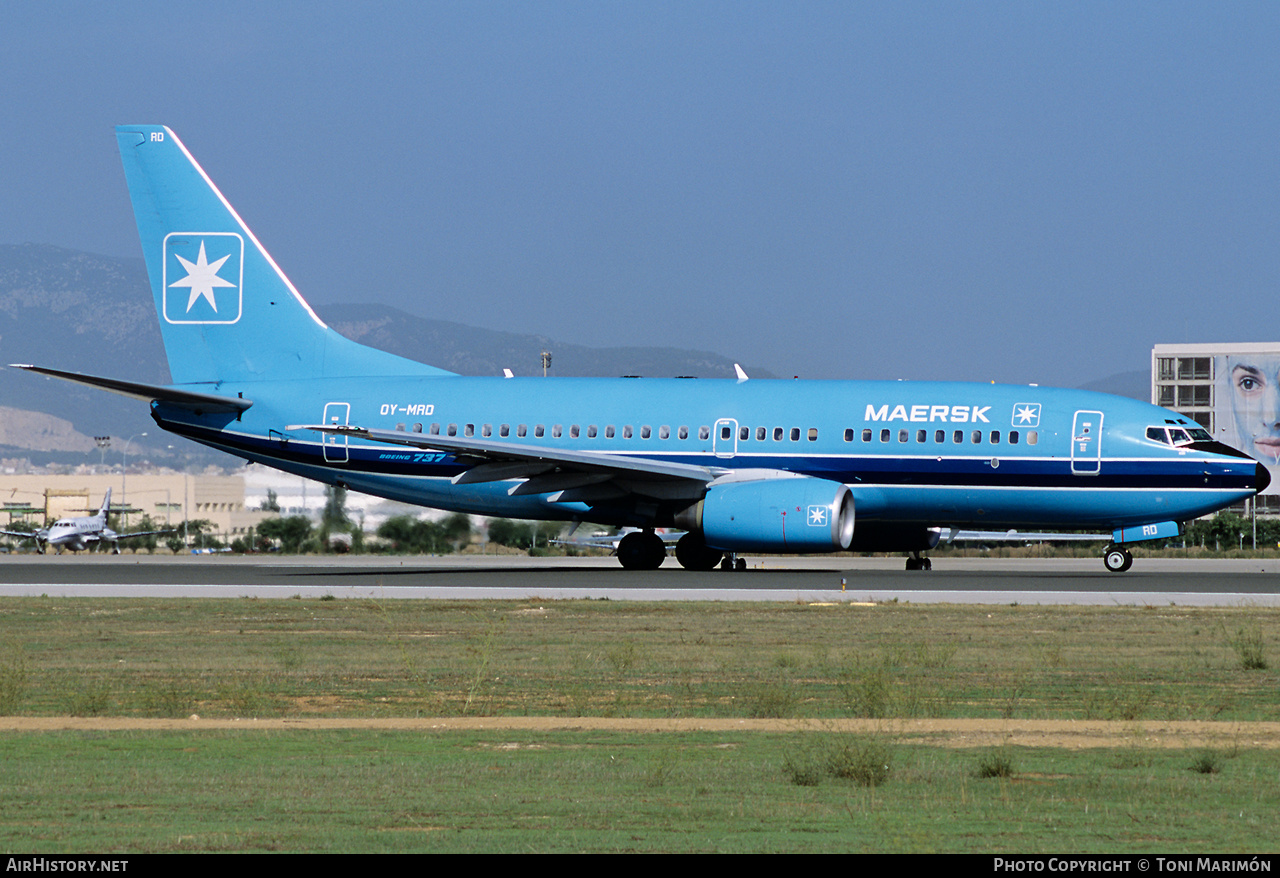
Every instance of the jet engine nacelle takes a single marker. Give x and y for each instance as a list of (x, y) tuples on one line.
[(774, 515)]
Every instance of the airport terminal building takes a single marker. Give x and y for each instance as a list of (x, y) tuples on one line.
[(1233, 391)]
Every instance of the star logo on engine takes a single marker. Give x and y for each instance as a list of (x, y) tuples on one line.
[(817, 516)]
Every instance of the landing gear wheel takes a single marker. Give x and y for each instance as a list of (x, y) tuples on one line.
[(917, 563), (733, 562), (693, 553), (1117, 560), (642, 551)]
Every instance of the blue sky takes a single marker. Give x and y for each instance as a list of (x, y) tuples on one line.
[(1025, 192)]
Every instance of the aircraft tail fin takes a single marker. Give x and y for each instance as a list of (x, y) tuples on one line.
[(106, 506), (227, 312)]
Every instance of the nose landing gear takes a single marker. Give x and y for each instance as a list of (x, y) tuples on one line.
[(1117, 559)]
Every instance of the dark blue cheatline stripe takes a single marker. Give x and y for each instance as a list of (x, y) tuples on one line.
[(921, 471)]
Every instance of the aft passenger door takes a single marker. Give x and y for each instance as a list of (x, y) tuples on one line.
[(335, 447), (1086, 444)]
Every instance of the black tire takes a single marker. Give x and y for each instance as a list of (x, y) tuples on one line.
[(641, 551), (693, 553), (1117, 560)]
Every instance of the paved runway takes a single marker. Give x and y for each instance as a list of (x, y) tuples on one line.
[(953, 580)]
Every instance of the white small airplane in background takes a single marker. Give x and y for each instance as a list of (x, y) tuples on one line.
[(80, 532)]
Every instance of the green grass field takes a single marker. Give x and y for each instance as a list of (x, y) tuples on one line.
[(608, 790)]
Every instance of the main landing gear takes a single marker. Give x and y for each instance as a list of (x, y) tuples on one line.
[(646, 551), (1117, 559), (693, 553), (917, 561)]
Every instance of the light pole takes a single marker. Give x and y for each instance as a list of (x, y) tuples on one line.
[(103, 443), (124, 477)]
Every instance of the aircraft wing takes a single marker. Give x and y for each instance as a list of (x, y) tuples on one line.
[(20, 534), (574, 476), (669, 538), (1014, 536), (143, 533)]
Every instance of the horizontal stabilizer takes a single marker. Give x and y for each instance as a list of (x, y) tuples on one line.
[(201, 402)]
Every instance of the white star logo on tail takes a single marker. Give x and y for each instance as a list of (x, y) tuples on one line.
[(202, 278)]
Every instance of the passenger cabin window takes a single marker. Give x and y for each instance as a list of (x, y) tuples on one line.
[(417, 428), (957, 437), (486, 430), (609, 432), (556, 429), (645, 432), (921, 435), (684, 432), (452, 429), (813, 434), (902, 435), (504, 430), (744, 433), (762, 432), (704, 433), (539, 431), (995, 437), (664, 432), (777, 434), (939, 436), (726, 432), (435, 429), (884, 435), (573, 431), (795, 434), (866, 435), (470, 430), (1033, 437), (848, 434), (1013, 437), (521, 431), (626, 432), (400, 427), (591, 431)]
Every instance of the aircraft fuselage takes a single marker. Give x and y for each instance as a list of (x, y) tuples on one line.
[(942, 453)]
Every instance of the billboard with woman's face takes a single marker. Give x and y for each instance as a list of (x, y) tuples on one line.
[(1248, 407)]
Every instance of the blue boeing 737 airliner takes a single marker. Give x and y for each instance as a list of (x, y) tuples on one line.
[(741, 465)]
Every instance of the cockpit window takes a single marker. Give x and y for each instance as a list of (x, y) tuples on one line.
[(1200, 434), (1179, 437), (1157, 434)]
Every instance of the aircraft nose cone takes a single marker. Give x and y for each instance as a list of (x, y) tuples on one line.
[(1263, 479)]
